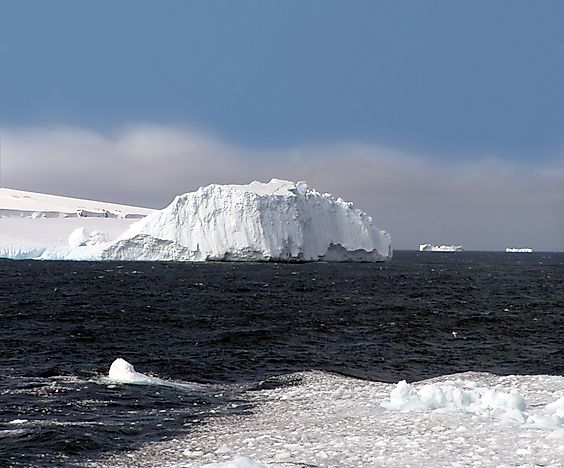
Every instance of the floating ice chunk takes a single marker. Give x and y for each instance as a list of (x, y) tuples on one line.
[(192, 453), (546, 421), (550, 417), (468, 398), (557, 407), (123, 371), (465, 398), (239, 462)]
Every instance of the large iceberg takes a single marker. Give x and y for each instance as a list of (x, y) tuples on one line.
[(275, 221)]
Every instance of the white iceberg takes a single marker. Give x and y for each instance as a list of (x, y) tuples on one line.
[(123, 371), (440, 248), (277, 221)]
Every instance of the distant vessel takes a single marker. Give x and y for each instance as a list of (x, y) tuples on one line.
[(519, 250), (440, 248)]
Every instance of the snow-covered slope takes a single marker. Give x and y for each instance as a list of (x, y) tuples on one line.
[(36, 225), (22, 204), (279, 220)]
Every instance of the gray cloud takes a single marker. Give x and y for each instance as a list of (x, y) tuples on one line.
[(485, 204)]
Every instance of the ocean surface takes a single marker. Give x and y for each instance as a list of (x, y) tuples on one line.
[(220, 330)]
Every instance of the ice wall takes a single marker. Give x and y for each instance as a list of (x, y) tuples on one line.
[(279, 221)]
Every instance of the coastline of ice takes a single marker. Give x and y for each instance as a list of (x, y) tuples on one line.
[(328, 420), (274, 221), (25, 204)]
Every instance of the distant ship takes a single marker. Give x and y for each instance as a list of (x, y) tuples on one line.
[(519, 250), (440, 248)]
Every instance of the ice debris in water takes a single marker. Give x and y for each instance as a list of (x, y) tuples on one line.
[(325, 419), (467, 397), (239, 462), (123, 371), (552, 417), (406, 397)]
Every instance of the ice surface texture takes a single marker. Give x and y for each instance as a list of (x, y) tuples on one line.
[(279, 221), (328, 420)]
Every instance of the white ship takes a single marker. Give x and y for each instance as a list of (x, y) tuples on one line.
[(440, 248), (519, 250)]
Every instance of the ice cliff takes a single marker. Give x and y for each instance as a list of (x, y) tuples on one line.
[(278, 221)]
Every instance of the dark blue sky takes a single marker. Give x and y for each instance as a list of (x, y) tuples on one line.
[(444, 78)]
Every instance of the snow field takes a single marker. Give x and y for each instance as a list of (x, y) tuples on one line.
[(22, 204), (80, 238), (327, 420), (50, 227), (56, 238)]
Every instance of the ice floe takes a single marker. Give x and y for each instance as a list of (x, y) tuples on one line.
[(320, 419)]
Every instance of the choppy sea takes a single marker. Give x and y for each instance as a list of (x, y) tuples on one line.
[(223, 329)]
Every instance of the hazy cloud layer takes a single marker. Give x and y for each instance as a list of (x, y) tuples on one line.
[(485, 204)]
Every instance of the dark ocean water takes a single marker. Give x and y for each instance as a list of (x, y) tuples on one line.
[(223, 327)]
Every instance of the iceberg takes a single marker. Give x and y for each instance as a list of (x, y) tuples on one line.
[(274, 221), (124, 372), (440, 248)]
